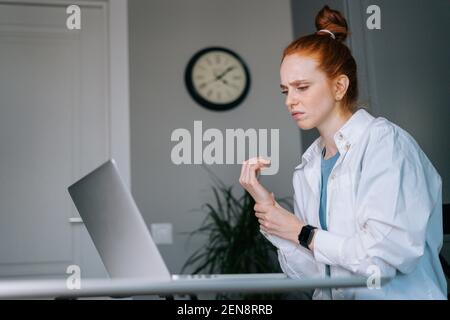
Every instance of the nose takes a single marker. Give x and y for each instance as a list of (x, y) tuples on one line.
[(291, 100)]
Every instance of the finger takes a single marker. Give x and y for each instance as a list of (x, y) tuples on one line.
[(260, 215), (258, 163), (248, 173), (253, 168), (245, 174), (261, 160), (274, 201), (263, 163), (267, 224), (257, 167), (241, 177), (253, 160), (253, 171), (261, 207), (261, 166), (263, 223), (262, 228)]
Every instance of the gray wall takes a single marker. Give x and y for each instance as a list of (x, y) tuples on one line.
[(163, 36), (405, 67), (412, 74)]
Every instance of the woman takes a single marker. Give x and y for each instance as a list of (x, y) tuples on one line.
[(367, 199)]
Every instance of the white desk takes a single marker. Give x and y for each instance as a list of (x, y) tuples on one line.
[(33, 289)]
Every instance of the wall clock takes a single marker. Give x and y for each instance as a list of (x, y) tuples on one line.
[(217, 78)]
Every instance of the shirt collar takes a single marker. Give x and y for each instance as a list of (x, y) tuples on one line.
[(344, 138)]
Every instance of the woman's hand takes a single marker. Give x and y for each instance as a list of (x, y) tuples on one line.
[(249, 180), (277, 221)]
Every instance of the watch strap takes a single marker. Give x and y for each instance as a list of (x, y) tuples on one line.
[(306, 235)]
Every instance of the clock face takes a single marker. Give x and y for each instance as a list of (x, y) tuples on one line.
[(217, 78)]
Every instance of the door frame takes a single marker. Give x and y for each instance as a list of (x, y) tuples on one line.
[(118, 102), (117, 74)]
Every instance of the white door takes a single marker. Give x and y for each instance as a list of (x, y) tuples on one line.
[(54, 128)]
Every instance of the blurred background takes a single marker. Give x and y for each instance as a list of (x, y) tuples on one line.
[(71, 99)]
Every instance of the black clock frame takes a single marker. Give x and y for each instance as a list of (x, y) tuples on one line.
[(199, 99)]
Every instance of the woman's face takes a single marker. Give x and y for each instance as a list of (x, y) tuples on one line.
[(309, 97)]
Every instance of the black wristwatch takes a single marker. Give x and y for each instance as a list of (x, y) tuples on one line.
[(306, 235)]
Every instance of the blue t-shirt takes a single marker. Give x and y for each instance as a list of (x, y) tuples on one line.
[(325, 168)]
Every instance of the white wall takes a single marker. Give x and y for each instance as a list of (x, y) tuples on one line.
[(164, 34)]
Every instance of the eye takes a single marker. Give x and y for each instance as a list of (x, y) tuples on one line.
[(284, 92), (302, 88)]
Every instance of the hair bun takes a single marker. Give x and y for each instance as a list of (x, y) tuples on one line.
[(333, 21)]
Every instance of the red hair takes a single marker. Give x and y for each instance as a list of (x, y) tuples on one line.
[(333, 56)]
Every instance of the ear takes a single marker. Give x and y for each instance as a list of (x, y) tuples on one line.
[(341, 84)]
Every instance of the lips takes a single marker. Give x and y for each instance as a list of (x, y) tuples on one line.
[(297, 114)]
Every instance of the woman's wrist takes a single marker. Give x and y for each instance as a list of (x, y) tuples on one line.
[(297, 229), (265, 200)]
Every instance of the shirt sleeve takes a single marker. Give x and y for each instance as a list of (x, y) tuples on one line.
[(397, 192)]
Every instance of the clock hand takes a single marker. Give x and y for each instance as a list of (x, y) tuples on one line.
[(210, 81), (220, 76), (225, 82)]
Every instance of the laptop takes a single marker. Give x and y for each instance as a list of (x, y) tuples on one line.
[(119, 231)]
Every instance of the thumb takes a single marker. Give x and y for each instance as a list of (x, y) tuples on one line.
[(275, 203)]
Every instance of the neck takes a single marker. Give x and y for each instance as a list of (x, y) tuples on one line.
[(330, 126)]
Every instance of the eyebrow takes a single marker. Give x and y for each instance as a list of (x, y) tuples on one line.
[(294, 83)]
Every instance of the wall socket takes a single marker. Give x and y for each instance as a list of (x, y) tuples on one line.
[(161, 233)]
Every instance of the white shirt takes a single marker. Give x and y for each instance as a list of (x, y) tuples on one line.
[(384, 209)]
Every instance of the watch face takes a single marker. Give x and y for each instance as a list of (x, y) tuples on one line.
[(217, 78)]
